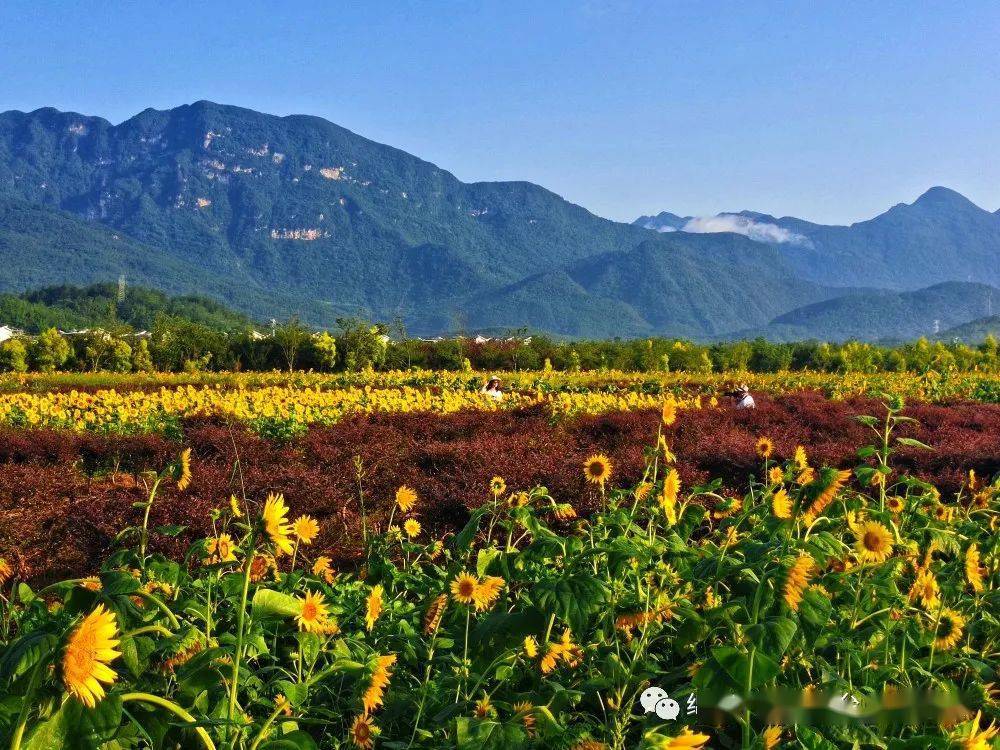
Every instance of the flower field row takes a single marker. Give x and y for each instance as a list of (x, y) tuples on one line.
[(290, 401), (815, 607)]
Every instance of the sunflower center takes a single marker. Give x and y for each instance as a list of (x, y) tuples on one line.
[(873, 541)]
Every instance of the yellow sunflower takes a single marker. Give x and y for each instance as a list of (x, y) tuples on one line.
[(406, 498), (526, 712), (771, 737), (220, 549), (381, 672), (597, 469), (305, 529), (276, 525), (797, 579), (373, 606), (412, 528), (312, 612), (463, 588), (498, 486), (895, 504), (434, 613), (669, 412), (765, 447), (973, 571), (182, 472), (363, 732), (925, 590), (781, 504), (874, 543), (6, 571), (776, 475), (686, 740), (530, 647), (234, 507), (89, 651), (975, 738), (487, 592), (950, 627), (323, 569), (801, 460)]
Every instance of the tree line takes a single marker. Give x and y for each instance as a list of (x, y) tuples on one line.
[(176, 344)]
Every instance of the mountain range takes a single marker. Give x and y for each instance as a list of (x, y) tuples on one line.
[(277, 216)]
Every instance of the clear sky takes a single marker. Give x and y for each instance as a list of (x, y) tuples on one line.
[(830, 111)]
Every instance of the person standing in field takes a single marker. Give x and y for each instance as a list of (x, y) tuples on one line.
[(743, 398), (492, 388)]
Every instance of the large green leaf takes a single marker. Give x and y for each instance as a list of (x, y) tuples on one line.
[(269, 603), (737, 665), (574, 598)]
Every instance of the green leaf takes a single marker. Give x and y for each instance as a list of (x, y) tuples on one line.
[(815, 608), (773, 635), (24, 593), (268, 603), (463, 539), (25, 653), (100, 724), (912, 443), (309, 646), (116, 583), (737, 665), (296, 692), (811, 739), (171, 529), (55, 733), (574, 598), (297, 740)]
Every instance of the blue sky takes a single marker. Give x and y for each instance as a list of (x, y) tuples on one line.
[(829, 111)]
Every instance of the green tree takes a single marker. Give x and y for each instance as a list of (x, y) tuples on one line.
[(142, 361), (49, 350), (325, 347), (13, 356), (364, 345), (290, 337)]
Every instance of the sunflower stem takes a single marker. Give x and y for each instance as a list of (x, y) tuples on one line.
[(174, 709)]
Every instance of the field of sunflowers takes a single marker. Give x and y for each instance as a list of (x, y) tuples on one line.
[(601, 560)]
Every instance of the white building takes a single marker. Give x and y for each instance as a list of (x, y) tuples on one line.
[(6, 332)]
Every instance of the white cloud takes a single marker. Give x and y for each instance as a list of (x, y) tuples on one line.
[(756, 230)]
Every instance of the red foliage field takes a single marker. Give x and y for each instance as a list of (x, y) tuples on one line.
[(64, 497)]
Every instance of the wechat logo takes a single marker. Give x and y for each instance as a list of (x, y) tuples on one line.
[(655, 700)]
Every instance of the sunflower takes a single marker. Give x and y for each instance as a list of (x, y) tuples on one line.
[(805, 476), (412, 528), (564, 511), (484, 709), (261, 565), (727, 506), (686, 740), (526, 712), (363, 732), (781, 504), (975, 738), (950, 627), (434, 613), (801, 460), (323, 569), (282, 705), (312, 612), (874, 543), (668, 455), (972, 479), (597, 469), (642, 491), (220, 549), (234, 507), (498, 486), (669, 412), (463, 588), (765, 447), (182, 470), (406, 498), (519, 499), (487, 592), (776, 475), (305, 529), (375, 691), (530, 647), (943, 513), (973, 571), (925, 589), (771, 737), (89, 651), (835, 480), (895, 504), (373, 606), (671, 489), (275, 516), (6, 571), (796, 580)]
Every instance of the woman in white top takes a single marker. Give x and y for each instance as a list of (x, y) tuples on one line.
[(492, 388), (743, 398)]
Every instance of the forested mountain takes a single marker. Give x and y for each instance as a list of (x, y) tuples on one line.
[(277, 216)]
